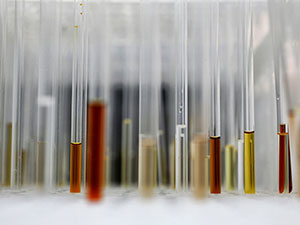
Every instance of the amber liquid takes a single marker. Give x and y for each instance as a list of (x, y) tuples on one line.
[(75, 168), (285, 183), (198, 154), (95, 149), (215, 165)]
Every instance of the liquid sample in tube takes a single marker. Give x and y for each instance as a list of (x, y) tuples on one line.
[(147, 166), (249, 162), (126, 152), (198, 170), (285, 178), (96, 119), (75, 168), (230, 167), (40, 164), (215, 165), (8, 155)]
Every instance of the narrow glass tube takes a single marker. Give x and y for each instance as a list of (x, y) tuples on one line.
[(249, 140), (215, 129), (77, 97), (199, 89), (130, 98), (240, 96), (228, 68), (3, 78), (181, 146), (149, 96), (276, 20), (97, 100), (18, 76), (47, 94)]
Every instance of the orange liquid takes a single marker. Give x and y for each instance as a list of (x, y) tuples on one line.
[(215, 165), (75, 168), (95, 149)]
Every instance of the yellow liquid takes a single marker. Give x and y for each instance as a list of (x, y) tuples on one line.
[(198, 170), (147, 166), (230, 167), (249, 162)]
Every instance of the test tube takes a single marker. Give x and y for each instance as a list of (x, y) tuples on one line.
[(276, 20), (3, 68), (130, 98), (150, 75), (77, 97), (18, 77), (249, 140), (199, 97), (228, 69), (97, 99), (47, 94), (240, 96), (181, 135), (215, 129)]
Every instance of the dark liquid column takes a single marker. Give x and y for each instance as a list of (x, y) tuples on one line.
[(95, 149)]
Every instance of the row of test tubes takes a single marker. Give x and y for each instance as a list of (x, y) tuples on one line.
[(146, 94)]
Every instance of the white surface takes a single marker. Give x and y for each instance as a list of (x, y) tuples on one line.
[(119, 207)]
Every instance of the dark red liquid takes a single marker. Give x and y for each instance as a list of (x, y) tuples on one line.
[(95, 149), (215, 165)]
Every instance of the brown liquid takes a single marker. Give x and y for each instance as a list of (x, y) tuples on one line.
[(215, 165), (75, 168), (283, 137), (95, 149)]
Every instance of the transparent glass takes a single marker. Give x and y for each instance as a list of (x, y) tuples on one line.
[(150, 78), (181, 146), (249, 73), (199, 98), (215, 119), (47, 93)]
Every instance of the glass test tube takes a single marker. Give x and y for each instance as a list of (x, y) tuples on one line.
[(240, 96), (285, 176), (149, 96), (3, 65), (97, 99), (181, 142), (249, 140), (199, 83), (228, 68), (47, 93), (77, 97), (18, 76), (215, 129), (130, 91)]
